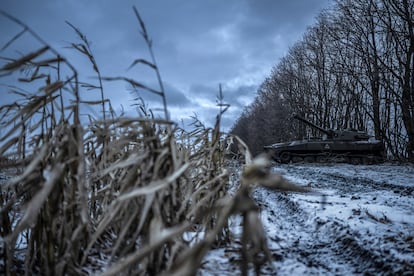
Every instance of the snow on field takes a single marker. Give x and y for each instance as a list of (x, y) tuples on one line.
[(358, 220)]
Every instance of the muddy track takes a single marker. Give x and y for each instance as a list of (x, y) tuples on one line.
[(359, 220), (323, 176), (322, 245)]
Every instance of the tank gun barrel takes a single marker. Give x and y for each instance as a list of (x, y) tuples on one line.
[(326, 131)]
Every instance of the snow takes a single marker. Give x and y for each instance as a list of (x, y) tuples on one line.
[(357, 220)]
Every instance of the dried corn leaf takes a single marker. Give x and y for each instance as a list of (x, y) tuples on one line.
[(133, 159), (8, 144), (134, 83), (10, 42), (143, 61), (37, 201), (155, 185), (33, 165), (164, 236), (17, 63)]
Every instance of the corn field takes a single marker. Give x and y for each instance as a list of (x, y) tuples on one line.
[(113, 195)]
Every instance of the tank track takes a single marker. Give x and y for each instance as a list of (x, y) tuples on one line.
[(355, 159)]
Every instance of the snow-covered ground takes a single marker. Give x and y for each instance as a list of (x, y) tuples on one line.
[(359, 220)]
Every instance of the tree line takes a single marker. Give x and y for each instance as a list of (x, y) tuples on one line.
[(354, 68)]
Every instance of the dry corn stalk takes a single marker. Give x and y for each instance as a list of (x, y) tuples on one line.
[(113, 195)]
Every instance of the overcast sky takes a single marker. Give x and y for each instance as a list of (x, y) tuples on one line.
[(198, 45)]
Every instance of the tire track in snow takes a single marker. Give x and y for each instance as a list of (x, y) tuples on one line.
[(340, 176), (311, 247), (305, 243)]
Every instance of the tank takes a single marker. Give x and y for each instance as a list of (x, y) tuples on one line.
[(346, 146)]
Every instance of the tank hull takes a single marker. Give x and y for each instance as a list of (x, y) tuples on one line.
[(355, 152)]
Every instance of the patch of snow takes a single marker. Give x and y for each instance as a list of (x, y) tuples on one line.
[(360, 219)]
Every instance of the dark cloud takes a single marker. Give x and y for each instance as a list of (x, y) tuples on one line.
[(175, 97), (198, 44)]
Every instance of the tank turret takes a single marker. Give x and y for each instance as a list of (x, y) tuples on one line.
[(348, 145), (338, 135)]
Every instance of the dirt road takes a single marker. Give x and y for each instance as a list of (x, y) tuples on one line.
[(360, 220)]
